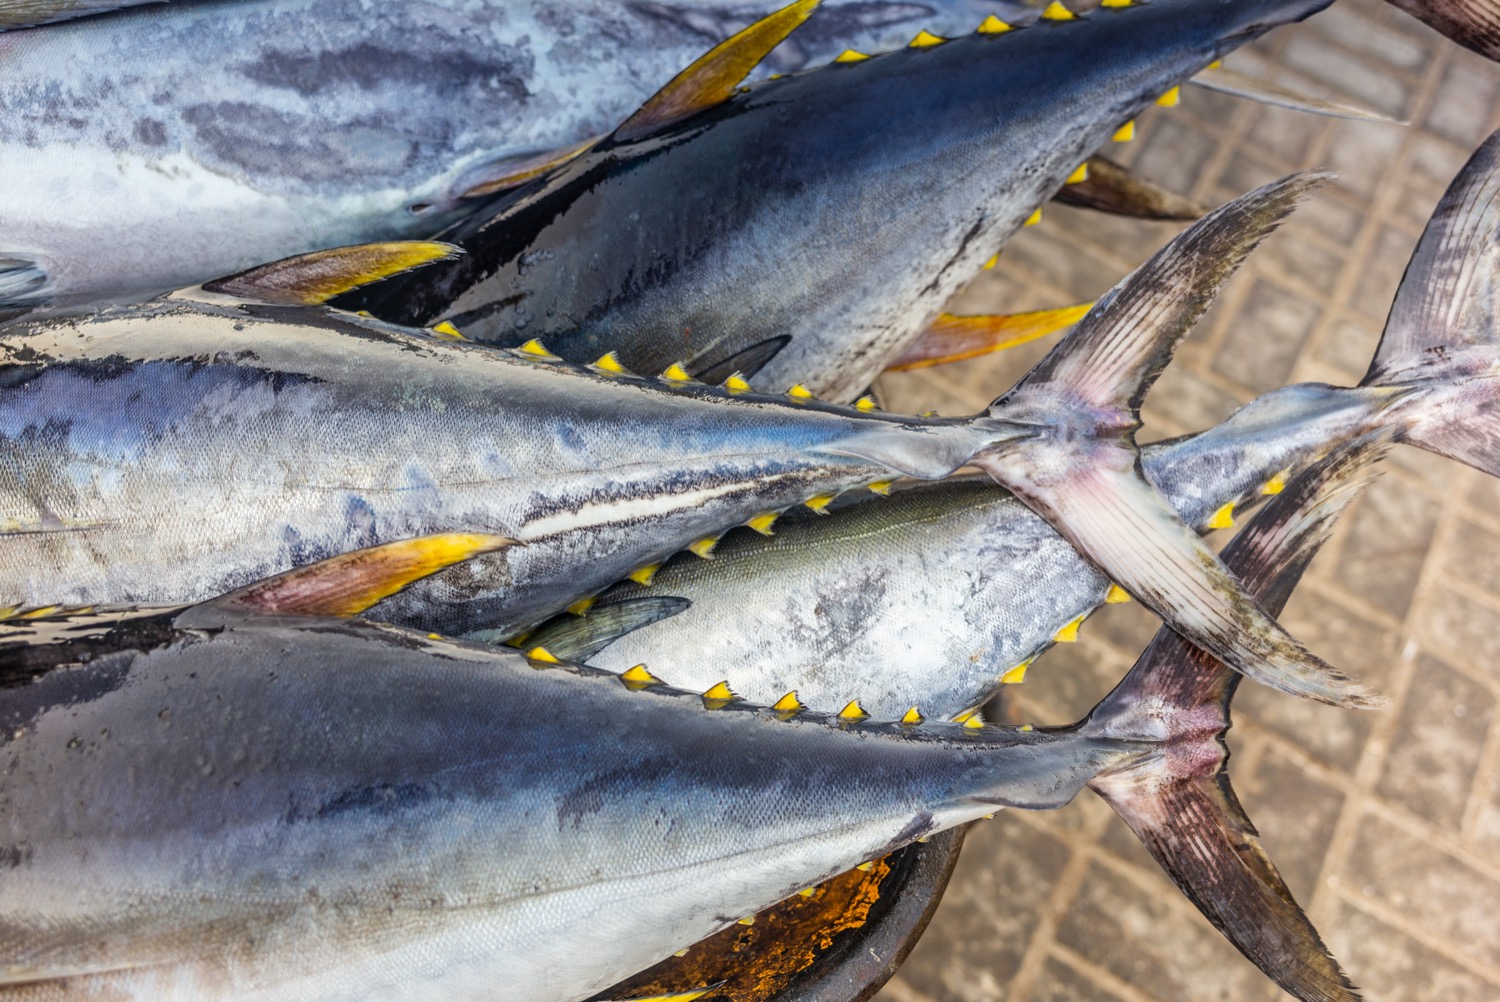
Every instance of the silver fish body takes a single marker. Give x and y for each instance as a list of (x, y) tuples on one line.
[(155, 148), (244, 820)]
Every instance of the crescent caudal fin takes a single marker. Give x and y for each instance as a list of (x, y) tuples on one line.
[(1076, 462), (1179, 801)]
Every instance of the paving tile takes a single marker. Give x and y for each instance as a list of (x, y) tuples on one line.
[(1128, 928), (978, 937), (1348, 347), (1362, 154), (1060, 982), (1389, 966), (1174, 154), (1428, 888), (1385, 544), (1347, 74), (1282, 134), (1295, 811), (1472, 553), (1464, 104), (1349, 27), (1464, 628), (1270, 332), (1381, 273), (1436, 750)]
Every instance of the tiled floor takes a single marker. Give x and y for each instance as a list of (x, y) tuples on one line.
[(1387, 823)]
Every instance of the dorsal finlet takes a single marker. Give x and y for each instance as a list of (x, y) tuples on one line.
[(882, 487), (712, 79), (1116, 595), (866, 404), (1275, 485), (1124, 133), (762, 523), (1171, 98), (737, 383), (583, 605), (535, 349), (644, 575), (1117, 3), (1223, 518), (992, 25), (1034, 218), (1055, 11), (676, 373), (705, 547), (851, 56), (543, 655), (1016, 675), (719, 695), (446, 329), (638, 677), (609, 365), (1069, 633), (912, 717), (820, 502), (852, 711), (974, 722), (789, 704), (799, 393), (1080, 174), (925, 40)]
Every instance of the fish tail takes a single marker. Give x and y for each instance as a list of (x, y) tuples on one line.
[(1474, 24), (1070, 453), (1440, 351), (1177, 797)]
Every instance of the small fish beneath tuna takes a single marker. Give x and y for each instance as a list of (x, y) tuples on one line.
[(198, 804), (945, 590), (147, 456)]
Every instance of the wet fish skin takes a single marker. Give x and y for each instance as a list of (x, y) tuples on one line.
[(466, 813), (843, 206), (178, 124)]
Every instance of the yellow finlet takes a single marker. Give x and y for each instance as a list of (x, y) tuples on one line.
[(820, 503), (638, 677), (713, 78), (807, 892), (675, 373), (1117, 3), (1080, 174), (536, 349), (1016, 675), (1024, 728), (1069, 634), (850, 56), (1171, 98), (747, 920), (866, 866), (705, 547), (583, 605), (1057, 12), (1275, 485), (737, 383), (544, 655), (1223, 518), (866, 404), (990, 264), (853, 711), (1116, 595), (609, 364), (992, 25), (974, 721), (350, 583), (762, 523), (964, 717), (799, 393), (446, 329), (912, 717), (882, 487), (1124, 133), (925, 40), (434, 636), (683, 953), (789, 704), (645, 575), (1217, 64), (719, 695), (689, 996), (1034, 218)]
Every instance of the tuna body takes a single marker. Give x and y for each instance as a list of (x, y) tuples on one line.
[(352, 812)]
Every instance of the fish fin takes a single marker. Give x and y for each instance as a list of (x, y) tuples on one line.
[(350, 583), (21, 277), (1080, 467), (30, 13), (512, 172), (578, 638), (953, 338), (1112, 188), (687, 996), (310, 279), (1442, 337), (747, 363), (712, 79), (1178, 800), (1474, 24), (1118, 350), (1227, 81)]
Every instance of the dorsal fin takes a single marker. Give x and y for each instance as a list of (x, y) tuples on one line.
[(713, 78), (514, 173), (311, 279), (352, 582)]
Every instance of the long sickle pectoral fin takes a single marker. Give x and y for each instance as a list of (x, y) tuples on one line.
[(712, 79), (1227, 81), (953, 338), (350, 583), (311, 279), (1109, 187)]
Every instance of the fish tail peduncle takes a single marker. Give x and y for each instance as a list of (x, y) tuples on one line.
[(1176, 796), (1077, 463), (1441, 346)]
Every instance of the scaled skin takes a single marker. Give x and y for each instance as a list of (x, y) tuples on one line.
[(841, 207), (242, 822), (159, 147)]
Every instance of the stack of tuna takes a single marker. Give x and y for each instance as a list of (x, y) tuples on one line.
[(341, 655)]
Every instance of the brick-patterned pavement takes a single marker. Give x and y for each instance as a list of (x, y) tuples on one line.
[(1386, 824)]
